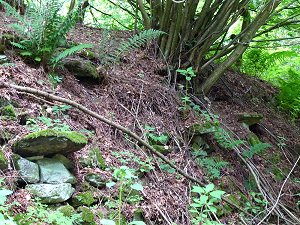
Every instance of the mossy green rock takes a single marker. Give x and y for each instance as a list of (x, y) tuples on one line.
[(29, 171), (49, 142), (252, 139), (87, 215), (64, 160), (249, 118), (96, 180), (66, 210), (8, 111), (53, 172), (3, 161), (83, 199), (51, 193), (81, 68)]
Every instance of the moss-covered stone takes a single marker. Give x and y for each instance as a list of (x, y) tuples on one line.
[(252, 139), (96, 180), (49, 142), (89, 54), (81, 68), (87, 215), (83, 199), (9, 112), (3, 161), (66, 210), (249, 118)]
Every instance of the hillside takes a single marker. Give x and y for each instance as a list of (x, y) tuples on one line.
[(136, 94)]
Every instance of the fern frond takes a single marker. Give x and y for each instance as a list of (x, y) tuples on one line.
[(11, 11), (137, 40), (18, 45), (280, 57), (54, 60)]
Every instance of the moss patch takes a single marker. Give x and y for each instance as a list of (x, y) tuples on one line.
[(9, 112), (3, 161), (87, 215), (71, 135), (67, 210), (84, 198)]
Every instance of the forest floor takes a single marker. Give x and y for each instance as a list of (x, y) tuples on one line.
[(134, 94)]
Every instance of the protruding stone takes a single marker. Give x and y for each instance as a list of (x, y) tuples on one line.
[(28, 171), (249, 118), (51, 193), (54, 172), (49, 142), (64, 160), (96, 180)]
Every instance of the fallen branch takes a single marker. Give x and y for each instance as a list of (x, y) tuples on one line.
[(101, 118)]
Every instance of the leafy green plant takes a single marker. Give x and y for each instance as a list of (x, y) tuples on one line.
[(211, 165), (54, 79), (60, 110), (203, 209), (225, 141), (5, 217), (128, 157), (289, 95), (256, 149), (126, 178), (43, 30), (41, 122), (257, 203), (188, 74), (154, 138)]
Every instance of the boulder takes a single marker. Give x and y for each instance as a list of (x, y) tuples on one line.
[(96, 180), (53, 171), (249, 118), (51, 193), (49, 142), (81, 68), (64, 160), (28, 171)]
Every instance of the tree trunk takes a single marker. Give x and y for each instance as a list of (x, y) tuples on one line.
[(249, 33)]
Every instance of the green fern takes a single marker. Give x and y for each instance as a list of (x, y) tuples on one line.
[(211, 165), (137, 40), (256, 149), (278, 57), (55, 59), (43, 28)]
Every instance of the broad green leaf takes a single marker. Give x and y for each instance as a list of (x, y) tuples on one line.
[(110, 184), (203, 199), (137, 223), (217, 194), (198, 189), (137, 186), (209, 187), (107, 222)]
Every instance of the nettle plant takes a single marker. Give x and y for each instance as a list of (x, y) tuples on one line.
[(204, 206), (126, 178), (188, 74)]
